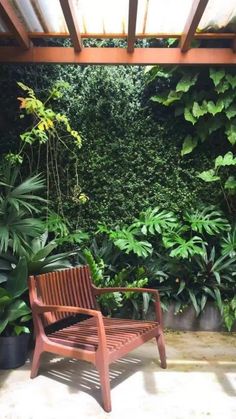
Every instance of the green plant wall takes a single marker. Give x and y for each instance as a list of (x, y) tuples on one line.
[(131, 153)]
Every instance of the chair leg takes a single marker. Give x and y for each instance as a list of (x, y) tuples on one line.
[(36, 360), (161, 348), (103, 370)]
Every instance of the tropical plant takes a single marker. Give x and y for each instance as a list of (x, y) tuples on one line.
[(225, 174), (38, 258), (174, 234), (155, 221), (229, 313), (209, 276), (128, 240), (61, 229), (130, 276), (205, 99), (215, 276), (181, 247), (207, 110), (228, 243), (191, 268), (208, 220), (14, 312), (18, 204)]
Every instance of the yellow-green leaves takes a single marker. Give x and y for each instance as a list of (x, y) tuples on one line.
[(214, 108), (46, 123), (186, 82), (227, 160), (206, 99), (199, 110), (232, 80), (208, 176), (212, 175), (231, 111), (188, 145), (14, 158), (231, 132), (189, 116), (216, 75), (230, 184)]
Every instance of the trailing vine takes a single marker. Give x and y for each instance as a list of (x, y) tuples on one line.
[(49, 134)]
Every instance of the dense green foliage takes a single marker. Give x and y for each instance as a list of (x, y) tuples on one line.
[(132, 161), (129, 160), (205, 100), (23, 247), (14, 311)]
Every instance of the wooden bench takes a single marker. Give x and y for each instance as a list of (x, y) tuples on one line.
[(68, 322)]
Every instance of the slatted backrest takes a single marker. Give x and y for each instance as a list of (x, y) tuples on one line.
[(69, 287)]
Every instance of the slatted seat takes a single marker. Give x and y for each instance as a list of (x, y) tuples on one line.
[(118, 333), (68, 322)]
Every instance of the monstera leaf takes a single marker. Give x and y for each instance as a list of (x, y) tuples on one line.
[(208, 220)]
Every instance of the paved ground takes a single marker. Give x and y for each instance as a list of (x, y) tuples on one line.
[(200, 382)]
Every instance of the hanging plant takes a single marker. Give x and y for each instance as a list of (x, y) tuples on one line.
[(49, 133)]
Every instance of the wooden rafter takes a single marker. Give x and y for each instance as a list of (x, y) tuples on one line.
[(45, 35), (14, 24), (192, 22), (234, 44), (140, 56), (68, 9), (133, 9)]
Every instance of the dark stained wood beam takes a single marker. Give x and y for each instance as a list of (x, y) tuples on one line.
[(192, 22), (234, 44), (115, 56), (69, 12), (14, 24), (45, 35), (133, 9)]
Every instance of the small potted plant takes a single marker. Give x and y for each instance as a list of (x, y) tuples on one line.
[(14, 314)]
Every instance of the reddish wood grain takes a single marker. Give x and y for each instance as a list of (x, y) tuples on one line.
[(61, 295), (141, 56)]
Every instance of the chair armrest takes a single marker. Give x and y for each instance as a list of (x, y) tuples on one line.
[(100, 291), (42, 308), (38, 308)]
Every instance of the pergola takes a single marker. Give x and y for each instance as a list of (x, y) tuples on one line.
[(22, 22)]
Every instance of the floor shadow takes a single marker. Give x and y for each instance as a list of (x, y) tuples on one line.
[(82, 376)]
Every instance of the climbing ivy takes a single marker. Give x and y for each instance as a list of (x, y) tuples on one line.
[(205, 99)]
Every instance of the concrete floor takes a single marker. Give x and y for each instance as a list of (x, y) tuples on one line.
[(200, 382)]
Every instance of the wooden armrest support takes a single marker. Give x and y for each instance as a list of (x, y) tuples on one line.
[(100, 291), (42, 308), (39, 308)]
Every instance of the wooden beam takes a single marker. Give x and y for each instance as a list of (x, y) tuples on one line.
[(234, 44), (115, 56), (133, 9), (45, 35), (192, 22), (69, 12), (14, 24)]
